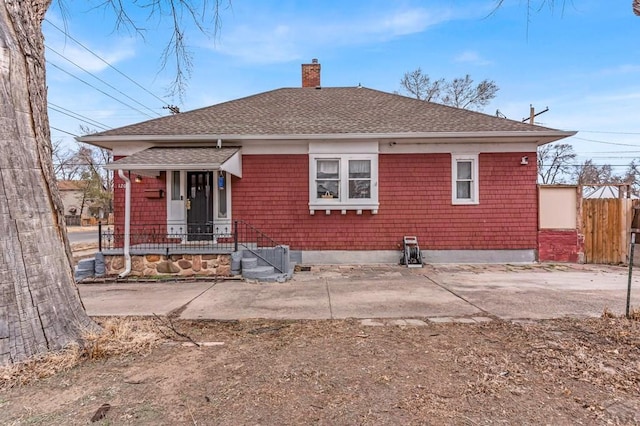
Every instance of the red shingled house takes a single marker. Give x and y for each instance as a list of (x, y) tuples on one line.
[(339, 174)]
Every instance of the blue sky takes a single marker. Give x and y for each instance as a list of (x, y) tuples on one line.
[(582, 60)]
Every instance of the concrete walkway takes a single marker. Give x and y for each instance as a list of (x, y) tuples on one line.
[(382, 291)]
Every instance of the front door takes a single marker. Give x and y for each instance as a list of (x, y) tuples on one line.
[(200, 205)]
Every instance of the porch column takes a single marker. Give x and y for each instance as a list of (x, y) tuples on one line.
[(127, 222)]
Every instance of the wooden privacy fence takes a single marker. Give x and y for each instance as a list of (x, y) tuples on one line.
[(606, 225)]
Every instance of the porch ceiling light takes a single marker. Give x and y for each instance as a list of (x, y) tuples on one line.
[(138, 179)]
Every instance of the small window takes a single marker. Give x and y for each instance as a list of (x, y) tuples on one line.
[(222, 195), (175, 185), (464, 179)]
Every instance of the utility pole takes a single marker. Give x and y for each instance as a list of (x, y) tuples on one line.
[(635, 230), (532, 114), (174, 109)]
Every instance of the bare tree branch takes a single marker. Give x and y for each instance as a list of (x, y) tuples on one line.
[(555, 163), (204, 14), (420, 86), (589, 173), (63, 162), (459, 92)]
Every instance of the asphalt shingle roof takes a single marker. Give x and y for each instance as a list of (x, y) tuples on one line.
[(177, 157), (337, 110)]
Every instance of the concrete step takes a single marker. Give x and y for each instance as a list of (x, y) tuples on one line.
[(249, 262), (275, 277), (84, 269), (86, 264), (258, 272)]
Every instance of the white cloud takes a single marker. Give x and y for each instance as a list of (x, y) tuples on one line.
[(260, 44), (472, 57), (620, 69), (406, 22), (117, 52), (271, 41)]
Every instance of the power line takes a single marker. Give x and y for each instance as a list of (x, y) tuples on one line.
[(64, 131), (107, 63), (602, 157), (608, 143), (101, 80), (99, 90), (594, 165), (77, 116), (612, 133), (609, 152)]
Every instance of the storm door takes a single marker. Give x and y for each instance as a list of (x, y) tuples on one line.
[(200, 205)]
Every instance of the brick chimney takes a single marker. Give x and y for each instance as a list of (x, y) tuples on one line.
[(311, 74)]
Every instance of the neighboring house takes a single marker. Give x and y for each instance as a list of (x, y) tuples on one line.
[(72, 194), (338, 174), (79, 208), (610, 191)]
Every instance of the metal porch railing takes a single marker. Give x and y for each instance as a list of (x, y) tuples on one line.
[(192, 238)]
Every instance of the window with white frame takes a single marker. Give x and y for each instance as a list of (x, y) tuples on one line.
[(464, 179), (359, 179), (345, 182), (328, 178)]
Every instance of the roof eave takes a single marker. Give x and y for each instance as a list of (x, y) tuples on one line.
[(543, 136), (160, 166)]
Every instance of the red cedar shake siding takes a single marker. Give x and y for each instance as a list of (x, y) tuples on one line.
[(415, 199), (144, 211)]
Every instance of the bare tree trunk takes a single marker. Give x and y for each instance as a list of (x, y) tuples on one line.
[(40, 309)]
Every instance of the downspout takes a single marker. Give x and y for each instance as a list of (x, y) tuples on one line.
[(127, 223)]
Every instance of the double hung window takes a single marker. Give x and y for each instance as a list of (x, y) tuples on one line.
[(464, 182), (345, 182)]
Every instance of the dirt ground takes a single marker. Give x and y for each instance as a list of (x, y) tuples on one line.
[(556, 372)]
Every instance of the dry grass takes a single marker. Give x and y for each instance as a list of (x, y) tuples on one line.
[(122, 336), (634, 314), (563, 371), (118, 337)]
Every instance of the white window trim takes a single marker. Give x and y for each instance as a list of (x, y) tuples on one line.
[(343, 203), (222, 225), (475, 183)]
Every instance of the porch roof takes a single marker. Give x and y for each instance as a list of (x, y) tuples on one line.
[(185, 158)]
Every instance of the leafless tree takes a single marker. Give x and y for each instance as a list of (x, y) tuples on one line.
[(40, 308), (588, 173), (536, 5), (96, 181), (204, 14), (555, 163), (459, 92), (420, 86), (64, 167), (632, 177), (86, 163)]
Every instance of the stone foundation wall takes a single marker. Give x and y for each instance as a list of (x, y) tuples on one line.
[(177, 264)]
